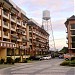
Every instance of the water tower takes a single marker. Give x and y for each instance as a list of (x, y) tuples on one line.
[(46, 24), (45, 19)]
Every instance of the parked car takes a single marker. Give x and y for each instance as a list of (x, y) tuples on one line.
[(61, 56), (46, 57), (68, 56), (35, 57)]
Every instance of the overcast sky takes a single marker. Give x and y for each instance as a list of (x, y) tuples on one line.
[(60, 10)]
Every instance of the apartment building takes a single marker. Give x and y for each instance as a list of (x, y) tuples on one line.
[(70, 25), (38, 39), (19, 35), (13, 30)]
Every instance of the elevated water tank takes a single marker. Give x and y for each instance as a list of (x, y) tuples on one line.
[(46, 15)]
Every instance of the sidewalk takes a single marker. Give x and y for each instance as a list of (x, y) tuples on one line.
[(2, 66), (5, 66)]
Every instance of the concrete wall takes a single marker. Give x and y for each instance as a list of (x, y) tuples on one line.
[(3, 53)]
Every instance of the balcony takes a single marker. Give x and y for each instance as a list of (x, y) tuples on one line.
[(30, 37), (5, 14), (13, 19), (19, 31), (14, 37), (24, 33), (24, 25), (6, 25), (30, 30), (6, 35), (13, 27), (18, 22), (19, 40), (34, 31), (34, 37), (23, 30), (24, 40)]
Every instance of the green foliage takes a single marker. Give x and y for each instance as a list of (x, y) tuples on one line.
[(25, 61), (64, 50), (72, 63), (68, 63), (10, 60), (1, 61), (72, 58), (17, 60), (65, 63)]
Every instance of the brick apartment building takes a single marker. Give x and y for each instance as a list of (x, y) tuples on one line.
[(70, 25)]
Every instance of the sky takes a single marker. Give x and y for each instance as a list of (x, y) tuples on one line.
[(60, 10)]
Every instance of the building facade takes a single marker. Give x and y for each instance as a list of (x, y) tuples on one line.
[(38, 39), (70, 25), (13, 30), (19, 36)]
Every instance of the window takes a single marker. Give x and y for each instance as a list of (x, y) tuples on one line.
[(73, 50), (73, 38), (73, 32), (72, 26), (73, 45)]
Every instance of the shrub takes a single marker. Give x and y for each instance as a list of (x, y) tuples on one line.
[(17, 60), (25, 61), (5, 62), (72, 58), (72, 63), (10, 60), (2, 61), (65, 63)]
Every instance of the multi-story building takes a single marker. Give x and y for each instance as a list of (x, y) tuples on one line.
[(38, 39), (20, 36), (70, 25), (13, 30)]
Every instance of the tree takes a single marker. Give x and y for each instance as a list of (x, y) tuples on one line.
[(64, 50)]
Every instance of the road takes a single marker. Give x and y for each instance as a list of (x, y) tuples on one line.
[(44, 67)]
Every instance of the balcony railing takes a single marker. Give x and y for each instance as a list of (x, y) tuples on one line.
[(5, 33), (13, 26), (12, 17), (18, 22), (5, 13), (19, 40), (5, 23), (19, 31), (24, 40)]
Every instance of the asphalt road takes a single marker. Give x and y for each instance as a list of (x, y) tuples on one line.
[(44, 67)]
